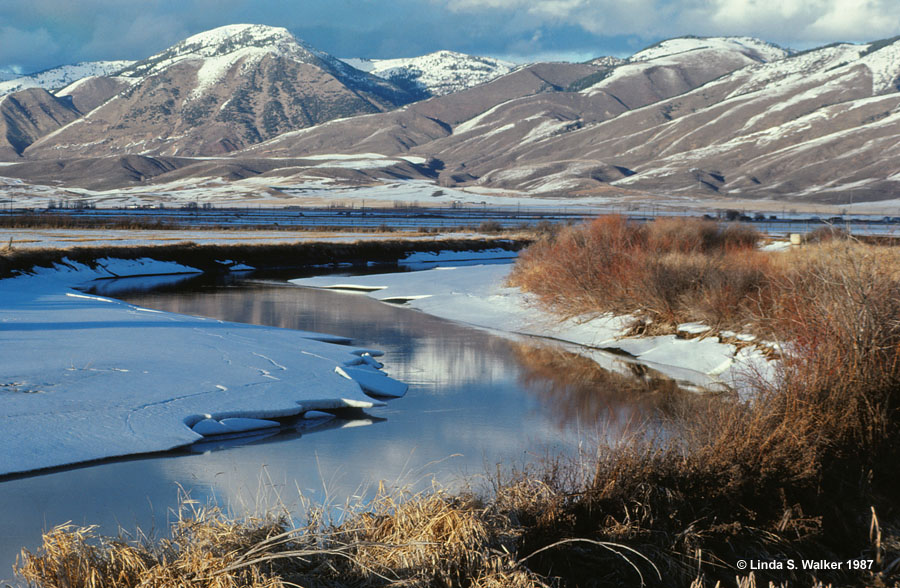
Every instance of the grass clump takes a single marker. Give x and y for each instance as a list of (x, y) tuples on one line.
[(431, 539), (665, 272)]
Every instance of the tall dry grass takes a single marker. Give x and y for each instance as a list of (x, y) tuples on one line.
[(421, 540), (666, 272), (799, 470)]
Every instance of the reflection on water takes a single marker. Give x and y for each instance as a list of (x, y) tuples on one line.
[(475, 400), (574, 387)]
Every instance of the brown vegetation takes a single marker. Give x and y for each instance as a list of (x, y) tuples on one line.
[(668, 271), (796, 471), (423, 540), (287, 255), (806, 469)]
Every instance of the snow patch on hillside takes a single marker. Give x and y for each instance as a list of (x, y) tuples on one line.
[(60, 77), (885, 67), (440, 73), (753, 48)]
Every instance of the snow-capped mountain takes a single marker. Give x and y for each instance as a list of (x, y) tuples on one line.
[(678, 65), (59, 77), (438, 73), (722, 116), (222, 90), (689, 117), (821, 125)]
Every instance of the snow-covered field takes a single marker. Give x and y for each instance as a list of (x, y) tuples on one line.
[(477, 295), (86, 377)]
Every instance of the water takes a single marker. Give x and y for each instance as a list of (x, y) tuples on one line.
[(475, 400)]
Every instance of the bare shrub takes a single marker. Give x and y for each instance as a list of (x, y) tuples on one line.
[(669, 271)]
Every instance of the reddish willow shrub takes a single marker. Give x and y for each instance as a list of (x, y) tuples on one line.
[(667, 271)]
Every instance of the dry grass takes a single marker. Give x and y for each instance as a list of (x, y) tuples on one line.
[(398, 540), (667, 271), (793, 473)]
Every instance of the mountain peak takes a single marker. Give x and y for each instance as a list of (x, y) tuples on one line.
[(438, 73), (230, 40)]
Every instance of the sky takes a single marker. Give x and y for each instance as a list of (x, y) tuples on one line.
[(38, 34)]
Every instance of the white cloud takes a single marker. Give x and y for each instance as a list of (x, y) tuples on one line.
[(787, 21), (858, 19)]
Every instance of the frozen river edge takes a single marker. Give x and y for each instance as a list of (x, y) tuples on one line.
[(479, 296), (86, 377)]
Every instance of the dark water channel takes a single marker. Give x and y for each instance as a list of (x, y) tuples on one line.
[(476, 400)]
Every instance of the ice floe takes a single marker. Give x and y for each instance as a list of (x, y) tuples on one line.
[(86, 377)]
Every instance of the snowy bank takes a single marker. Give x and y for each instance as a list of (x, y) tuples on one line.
[(477, 295), (84, 377)]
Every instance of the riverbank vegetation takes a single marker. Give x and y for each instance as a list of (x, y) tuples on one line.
[(741, 491), (302, 253)]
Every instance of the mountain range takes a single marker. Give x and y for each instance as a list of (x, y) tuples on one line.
[(687, 118)]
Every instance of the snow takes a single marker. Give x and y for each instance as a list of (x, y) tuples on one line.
[(442, 72), (693, 328), (885, 67), (86, 377), (428, 259), (776, 246), (60, 77), (223, 46), (750, 46), (477, 295), (548, 128), (215, 68), (476, 121), (344, 156)]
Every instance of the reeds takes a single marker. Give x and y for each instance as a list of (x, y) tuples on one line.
[(431, 539), (790, 472)]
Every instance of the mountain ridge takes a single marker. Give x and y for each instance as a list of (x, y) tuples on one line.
[(689, 117)]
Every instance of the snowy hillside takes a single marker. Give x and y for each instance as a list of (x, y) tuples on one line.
[(7, 74), (62, 76), (754, 48), (439, 73), (678, 65), (222, 47)]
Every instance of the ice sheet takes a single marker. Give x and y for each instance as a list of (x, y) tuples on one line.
[(84, 377)]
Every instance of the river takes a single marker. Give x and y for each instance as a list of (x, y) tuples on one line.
[(476, 400)]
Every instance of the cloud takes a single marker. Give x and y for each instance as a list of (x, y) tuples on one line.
[(43, 33), (23, 48), (788, 21), (135, 37)]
